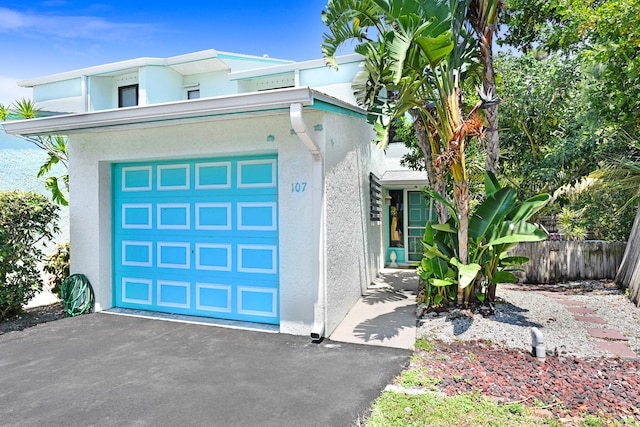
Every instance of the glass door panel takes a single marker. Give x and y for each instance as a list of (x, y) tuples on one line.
[(418, 214)]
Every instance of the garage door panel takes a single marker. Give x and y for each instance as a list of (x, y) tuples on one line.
[(214, 297), (198, 237)]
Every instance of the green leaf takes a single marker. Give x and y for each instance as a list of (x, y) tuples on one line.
[(437, 299), (441, 282), (517, 233), (504, 277), (445, 202), (491, 184), (47, 165), (435, 49), (58, 197), (439, 267), (467, 273), (492, 211), (432, 251), (529, 207), (513, 261), (480, 296), (428, 234), (446, 227)]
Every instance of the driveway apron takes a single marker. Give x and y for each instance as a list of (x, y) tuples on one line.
[(101, 369)]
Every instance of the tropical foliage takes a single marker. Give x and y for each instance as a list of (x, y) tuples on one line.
[(54, 145), (604, 34), (554, 136), (58, 266), (27, 223), (422, 53), (496, 227)]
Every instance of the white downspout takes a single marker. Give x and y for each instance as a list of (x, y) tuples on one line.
[(319, 307)]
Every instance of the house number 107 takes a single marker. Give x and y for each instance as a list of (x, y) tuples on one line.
[(298, 187)]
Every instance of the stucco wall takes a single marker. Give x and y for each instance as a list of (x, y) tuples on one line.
[(354, 242), (62, 89), (64, 96), (90, 175), (159, 84), (101, 96), (212, 84)]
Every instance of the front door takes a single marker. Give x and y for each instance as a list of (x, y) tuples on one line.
[(407, 215), (418, 209)]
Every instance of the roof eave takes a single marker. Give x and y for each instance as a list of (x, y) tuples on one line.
[(182, 110), (287, 68)]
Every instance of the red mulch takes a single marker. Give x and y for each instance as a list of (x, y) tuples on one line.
[(566, 386)]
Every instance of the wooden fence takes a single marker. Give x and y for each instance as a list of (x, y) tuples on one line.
[(557, 261)]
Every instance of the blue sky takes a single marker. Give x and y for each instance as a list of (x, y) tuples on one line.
[(47, 37)]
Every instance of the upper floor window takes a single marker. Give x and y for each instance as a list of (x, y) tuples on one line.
[(127, 96), (193, 94)]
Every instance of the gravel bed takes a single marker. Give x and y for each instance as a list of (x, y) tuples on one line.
[(521, 307)]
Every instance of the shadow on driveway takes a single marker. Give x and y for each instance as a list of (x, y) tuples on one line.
[(102, 369)]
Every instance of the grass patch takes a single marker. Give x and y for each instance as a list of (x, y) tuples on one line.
[(394, 409), (424, 345), (415, 378), (430, 409)]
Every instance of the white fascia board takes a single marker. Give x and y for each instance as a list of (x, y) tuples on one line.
[(120, 66), (255, 102), (319, 96), (409, 184), (287, 68), (266, 59)]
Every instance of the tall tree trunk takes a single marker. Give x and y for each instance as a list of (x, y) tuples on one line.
[(628, 276), (435, 173), (483, 16), (461, 195), (491, 137)]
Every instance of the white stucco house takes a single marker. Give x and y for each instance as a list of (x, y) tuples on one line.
[(229, 186)]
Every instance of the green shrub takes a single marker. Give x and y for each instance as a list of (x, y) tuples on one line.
[(58, 267), (27, 222)]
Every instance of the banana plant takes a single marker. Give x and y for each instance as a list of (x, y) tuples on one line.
[(417, 54), (496, 227)]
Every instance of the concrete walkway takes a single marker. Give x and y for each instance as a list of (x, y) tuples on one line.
[(385, 315)]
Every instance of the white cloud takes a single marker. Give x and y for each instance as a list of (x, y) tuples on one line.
[(66, 27), (10, 91)]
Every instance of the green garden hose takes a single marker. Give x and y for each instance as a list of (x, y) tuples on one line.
[(77, 295)]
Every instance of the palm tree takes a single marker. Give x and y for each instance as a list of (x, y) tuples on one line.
[(483, 16), (5, 110), (54, 145), (416, 65)]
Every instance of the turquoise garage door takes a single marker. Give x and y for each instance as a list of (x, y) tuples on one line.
[(198, 237)]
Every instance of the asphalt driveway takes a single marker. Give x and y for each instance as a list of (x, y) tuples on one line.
[(108, 370)]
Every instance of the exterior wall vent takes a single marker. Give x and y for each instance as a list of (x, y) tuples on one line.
[(375, 198)]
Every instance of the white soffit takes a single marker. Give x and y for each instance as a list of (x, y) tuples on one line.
[(287, 68), (200, 66), (404, 178)]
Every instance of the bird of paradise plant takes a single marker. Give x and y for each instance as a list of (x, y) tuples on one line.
[(416, 65)]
